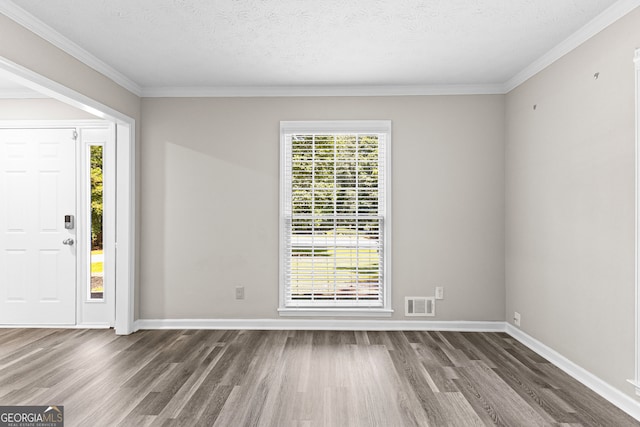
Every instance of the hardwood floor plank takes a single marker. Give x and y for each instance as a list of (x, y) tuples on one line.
[(214, 405), (287, 385), (433, 344), (484, 409), (459, 341), (494, 348), (247, 403), (590, 409), (441, 380), (293, 378), (535, 397), (505, 402), (397, 405), (413, 374), (204, 361), (459, 412)]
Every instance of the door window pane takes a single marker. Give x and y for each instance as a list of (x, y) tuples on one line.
[(96, 227)]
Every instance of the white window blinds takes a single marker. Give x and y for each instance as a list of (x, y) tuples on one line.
[(334, 210)]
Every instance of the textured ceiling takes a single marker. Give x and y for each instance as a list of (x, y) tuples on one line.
[(248, 43)]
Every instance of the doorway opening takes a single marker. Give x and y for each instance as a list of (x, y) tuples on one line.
[(123, 207)]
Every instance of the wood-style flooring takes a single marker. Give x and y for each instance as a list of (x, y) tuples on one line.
[(293, 378)]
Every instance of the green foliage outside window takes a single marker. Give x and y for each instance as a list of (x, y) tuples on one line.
[(335, 175), (96, 196)]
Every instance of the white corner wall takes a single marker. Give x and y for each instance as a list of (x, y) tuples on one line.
[(570, 204)]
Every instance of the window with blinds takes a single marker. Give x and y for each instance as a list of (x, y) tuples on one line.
[(334, 215)]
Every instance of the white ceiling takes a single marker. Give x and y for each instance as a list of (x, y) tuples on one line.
[(8, 85), (316, 43), (11, 89)]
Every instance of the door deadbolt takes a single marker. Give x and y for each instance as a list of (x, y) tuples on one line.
[(68, 222)]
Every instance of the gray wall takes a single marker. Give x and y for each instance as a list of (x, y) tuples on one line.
[(209, 201), (570, 204)]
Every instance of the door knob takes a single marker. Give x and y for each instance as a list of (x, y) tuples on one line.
[(68, 242)]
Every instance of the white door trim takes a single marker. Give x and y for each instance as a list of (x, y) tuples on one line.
[(125, 180)]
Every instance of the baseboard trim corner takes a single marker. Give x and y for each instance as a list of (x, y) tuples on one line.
[(604, 389)]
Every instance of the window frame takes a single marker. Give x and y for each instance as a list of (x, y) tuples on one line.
[(328, 127)]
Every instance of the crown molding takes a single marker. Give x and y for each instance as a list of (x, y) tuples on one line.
[(593, 27), (33, 24), (271, 91)]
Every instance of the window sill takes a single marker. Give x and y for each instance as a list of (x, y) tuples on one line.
[(335, 312)]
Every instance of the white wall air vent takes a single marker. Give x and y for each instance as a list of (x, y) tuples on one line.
[(419, 306)]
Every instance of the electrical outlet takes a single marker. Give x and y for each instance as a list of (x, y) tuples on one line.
[(516, 318), (239, 292), (439, 292)]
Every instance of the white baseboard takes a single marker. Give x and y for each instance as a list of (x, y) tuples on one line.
[(52, 326), (604, 389), (320, 324), (96, 325)]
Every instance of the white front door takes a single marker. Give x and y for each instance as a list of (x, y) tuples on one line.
[(37, 252)]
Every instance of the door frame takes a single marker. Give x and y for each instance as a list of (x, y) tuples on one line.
[(125, 203)]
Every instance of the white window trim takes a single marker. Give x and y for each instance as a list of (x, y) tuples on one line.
[(339, 126)]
